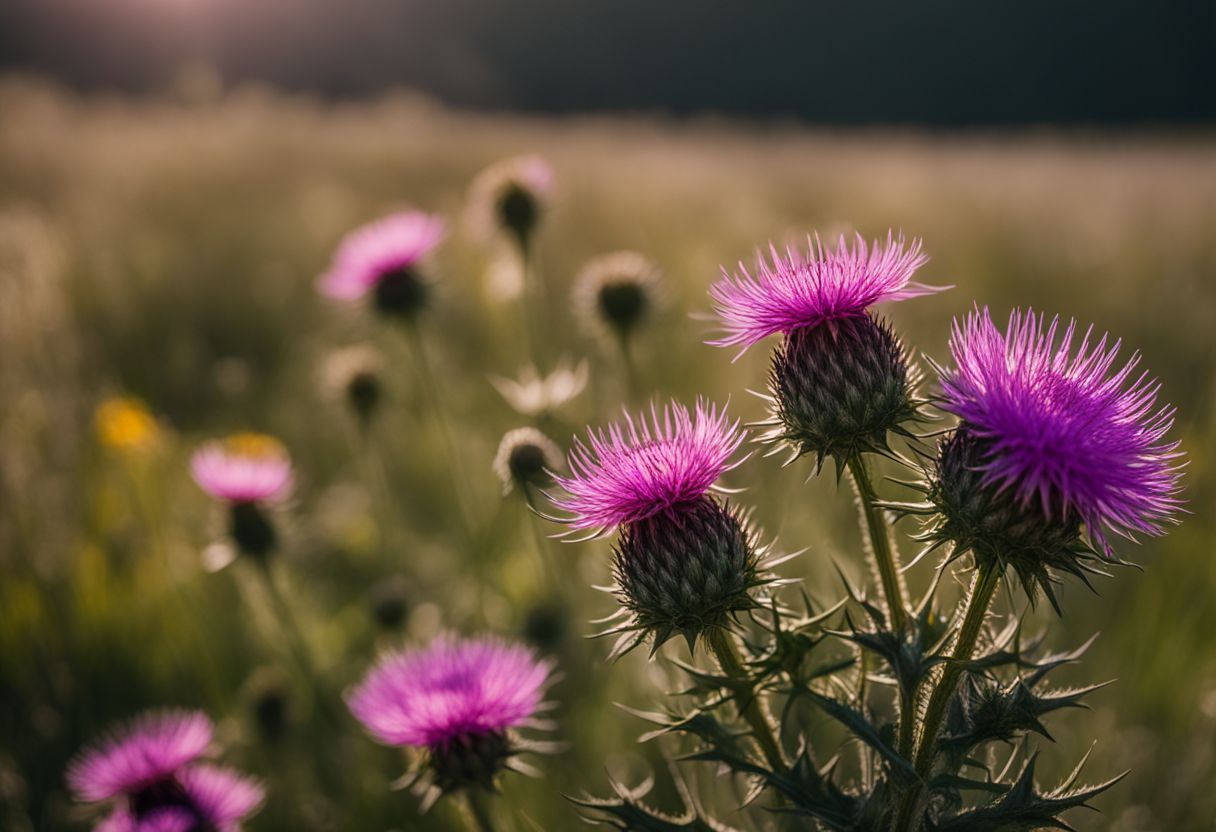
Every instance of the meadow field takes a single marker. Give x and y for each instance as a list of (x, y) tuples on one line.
[(168, 248)]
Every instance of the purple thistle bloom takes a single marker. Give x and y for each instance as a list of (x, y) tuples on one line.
[(375, 251), (244, 468), (150, 769), (151, 748), (1061, 426), (640, 469), (158, 820), (220, 796), (793, 292), (450, 690)]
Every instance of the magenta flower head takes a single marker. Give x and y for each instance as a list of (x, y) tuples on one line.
[(841, 379), (1053, 437), (511, 195), (246, 471), (382, 259), (461, 702), (149, 771), (685, 562)]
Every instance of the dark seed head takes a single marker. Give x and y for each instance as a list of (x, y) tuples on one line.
[(524, 458), (840, 387), (363, 393), (401, 293), (470, 760), (623, 305), (686, 570)]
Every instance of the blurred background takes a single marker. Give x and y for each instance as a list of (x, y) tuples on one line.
[(174, 174)]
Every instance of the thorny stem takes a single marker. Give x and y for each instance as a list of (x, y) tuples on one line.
[(747, 699), (483, 821), (987, 578), (885, 563)]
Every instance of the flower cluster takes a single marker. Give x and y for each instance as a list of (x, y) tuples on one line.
[(149, 771)]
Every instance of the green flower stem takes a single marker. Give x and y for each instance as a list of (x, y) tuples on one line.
[(426, 374), (987, 578), (532, 302), (483, 819), (885, 564), (297, 646), (747, 700), (628, 366)]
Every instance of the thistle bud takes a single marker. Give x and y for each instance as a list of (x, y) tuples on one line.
[(686, 572), (524, 459), (389, 603), (269, 703), (994, 523), (840, 387), (546, 625), (616, 293)]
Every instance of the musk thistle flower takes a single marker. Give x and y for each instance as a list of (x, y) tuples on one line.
[(684, 562), (511, 195), (535, 395), (1055, 445), (841, 380), (383, 260), (525, 459), (615, 293), (246, 471), (149, 771), (460, 701)]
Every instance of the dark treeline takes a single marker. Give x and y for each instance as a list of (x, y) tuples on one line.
[(948, 62)]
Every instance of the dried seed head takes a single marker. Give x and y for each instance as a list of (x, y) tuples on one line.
[(686, 570), (616, 293), (524, 459), (840, 387), (511, 194)]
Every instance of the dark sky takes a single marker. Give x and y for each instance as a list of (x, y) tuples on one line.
[(944, 62)]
